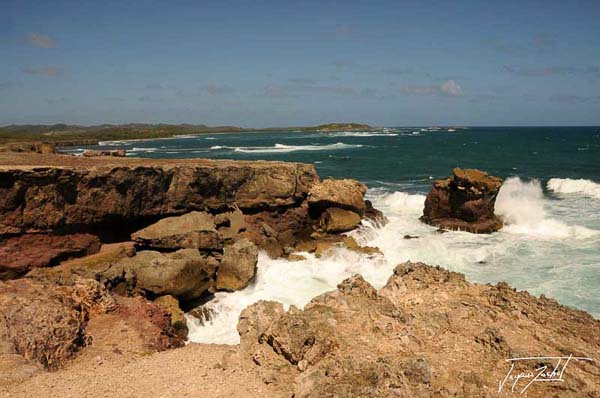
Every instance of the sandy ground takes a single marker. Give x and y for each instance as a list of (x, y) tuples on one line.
[(197, 370)]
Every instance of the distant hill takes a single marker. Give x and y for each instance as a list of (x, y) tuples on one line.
[(343, 126), (64, 134)]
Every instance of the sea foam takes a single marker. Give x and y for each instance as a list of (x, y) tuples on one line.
[(281, 148), (571, 186), (533, 251)]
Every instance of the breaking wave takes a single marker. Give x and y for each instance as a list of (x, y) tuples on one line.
[(522, 206), (578, 186), (281, 148), (538, 249)]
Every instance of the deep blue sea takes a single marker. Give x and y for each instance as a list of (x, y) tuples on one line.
[(550, 202)]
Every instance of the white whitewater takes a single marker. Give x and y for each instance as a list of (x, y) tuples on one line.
[(547, 247), (570, 186)]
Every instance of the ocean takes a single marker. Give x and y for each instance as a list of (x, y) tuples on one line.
[(550, 202)]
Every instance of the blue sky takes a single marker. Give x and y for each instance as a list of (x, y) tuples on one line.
[(278, 63)]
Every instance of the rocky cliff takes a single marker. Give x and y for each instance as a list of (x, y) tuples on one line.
[(165, 233)]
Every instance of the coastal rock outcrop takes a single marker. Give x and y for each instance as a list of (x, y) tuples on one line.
[(19, 254), (90, 194), (46, 323), (238, 266), (464, 201), (426, 333), (335, 220), (195, 230), (346, 194), (185, 274)]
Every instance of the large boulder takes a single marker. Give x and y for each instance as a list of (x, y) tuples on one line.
[(464, 201), (185, 274), (238, 265), (346, 194), (426, 333), (195, 230), (335, 220), (19, 254)]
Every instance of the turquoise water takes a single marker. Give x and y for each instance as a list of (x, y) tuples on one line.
[(550, 202)]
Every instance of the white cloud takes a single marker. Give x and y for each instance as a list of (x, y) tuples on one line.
[(448, 88), (451, 88), (38, 40)]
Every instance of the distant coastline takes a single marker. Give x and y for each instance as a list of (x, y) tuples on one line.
[(72, 135)]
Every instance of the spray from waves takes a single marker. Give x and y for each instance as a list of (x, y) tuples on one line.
[(571, 186), (522, 206), (483, 258), (281, 148), (290, 283)]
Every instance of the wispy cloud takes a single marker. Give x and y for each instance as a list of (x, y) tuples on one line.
[(343, 31), (308, 90), (398, 71), (538, 71), (574, 99), (47, 71), (52, 101), (6, 85), (154, 86), (150, 99), (39, 40), (449, 88), (210, 89)]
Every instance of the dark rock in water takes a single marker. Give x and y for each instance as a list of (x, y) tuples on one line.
[(115, 152), (411, 237), (464, 201), (19, 254), (203, 314), (374, 215)]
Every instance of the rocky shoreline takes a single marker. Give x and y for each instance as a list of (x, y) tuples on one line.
[(100, 257)]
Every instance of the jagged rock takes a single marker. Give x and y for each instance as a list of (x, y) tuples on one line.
[(346, 194), (171, 305), (114, 152), (238, 266), (184, 274), (195, 230), (115, 194), (426, 333), (19, 254), (46, 323), (464, 201), (335, 220)]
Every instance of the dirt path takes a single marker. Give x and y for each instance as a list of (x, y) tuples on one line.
[(197, 370)]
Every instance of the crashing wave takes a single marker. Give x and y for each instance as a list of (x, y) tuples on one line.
[(281, 148), (571, 186)]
